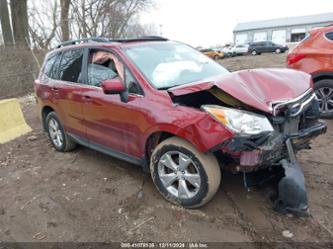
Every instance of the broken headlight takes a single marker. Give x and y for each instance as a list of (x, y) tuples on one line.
[(241, 122)]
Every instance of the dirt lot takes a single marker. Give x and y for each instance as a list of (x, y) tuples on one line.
[(88, 196)]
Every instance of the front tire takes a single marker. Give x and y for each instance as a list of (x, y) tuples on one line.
[(58, 137), (254, 52), (324, 92), (184, 175), (278, 51)]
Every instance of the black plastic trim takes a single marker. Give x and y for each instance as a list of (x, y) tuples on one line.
[(108, 151)]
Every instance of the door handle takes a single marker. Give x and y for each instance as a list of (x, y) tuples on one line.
[(55, 90), (87, 98)]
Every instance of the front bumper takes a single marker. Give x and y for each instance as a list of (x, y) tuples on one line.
[(252, 153)]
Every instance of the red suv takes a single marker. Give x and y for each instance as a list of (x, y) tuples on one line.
[(180, 115), (314, 55)]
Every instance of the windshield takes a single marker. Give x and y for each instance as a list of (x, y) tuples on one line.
[(172, 64)]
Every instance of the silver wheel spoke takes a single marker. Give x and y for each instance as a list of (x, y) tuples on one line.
[(330, 93), (52, 125), (183, 189), (55, 133), (330, 101), (168, 162), (184, 162), (179, 175), (194, 179), (168, 179)]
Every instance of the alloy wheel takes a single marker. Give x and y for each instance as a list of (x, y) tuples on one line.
[(179, 175), (325, 97), (56, 133)]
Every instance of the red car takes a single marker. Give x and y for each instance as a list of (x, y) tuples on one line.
[(314, 55), (180, 115)]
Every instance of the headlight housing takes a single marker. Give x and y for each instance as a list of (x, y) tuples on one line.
[(241, 122)]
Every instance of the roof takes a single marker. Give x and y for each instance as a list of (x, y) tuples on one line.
[(282, 22)]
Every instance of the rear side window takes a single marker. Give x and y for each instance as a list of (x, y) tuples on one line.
[(329, 36), (48, 65), (50, 68), (71, 65)]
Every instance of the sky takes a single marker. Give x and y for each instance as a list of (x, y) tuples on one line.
[(211, 22)]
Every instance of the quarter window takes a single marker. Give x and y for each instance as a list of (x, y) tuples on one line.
[(51, 67), (329, 36), (48, 66), (71, 65)]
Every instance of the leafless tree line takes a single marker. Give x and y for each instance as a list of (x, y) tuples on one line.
[(44, 23)]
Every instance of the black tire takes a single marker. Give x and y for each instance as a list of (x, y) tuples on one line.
[(254, 52), (325, 85), (67, 143), (215, 58), (278, 51), (207, 165)]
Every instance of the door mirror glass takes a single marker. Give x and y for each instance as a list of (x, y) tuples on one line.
[(113, 86)]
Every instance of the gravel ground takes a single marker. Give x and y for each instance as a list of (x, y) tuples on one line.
[(88, 196)]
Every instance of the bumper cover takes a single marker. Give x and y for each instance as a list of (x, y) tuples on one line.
[(252, 155)]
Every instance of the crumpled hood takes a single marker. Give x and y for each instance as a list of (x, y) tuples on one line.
[(258, 88)]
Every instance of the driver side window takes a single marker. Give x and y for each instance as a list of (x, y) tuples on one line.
[(102, 66)]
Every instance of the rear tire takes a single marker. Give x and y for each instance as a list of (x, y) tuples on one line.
[(190, 186), (324, 92), (58, 137)]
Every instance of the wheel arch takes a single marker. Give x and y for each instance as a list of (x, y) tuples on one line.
[(45, 111), (156, 136), (322, 76)]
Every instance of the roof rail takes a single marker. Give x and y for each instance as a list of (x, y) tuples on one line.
[(103, 39), (73, 42), (143, 38)]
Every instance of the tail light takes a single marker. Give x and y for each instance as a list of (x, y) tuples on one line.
[(294, 57)]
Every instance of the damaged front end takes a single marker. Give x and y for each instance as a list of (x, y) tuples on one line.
[(292, 126), (295, 125)]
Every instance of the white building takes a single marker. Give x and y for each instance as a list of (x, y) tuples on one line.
[(282, 30)]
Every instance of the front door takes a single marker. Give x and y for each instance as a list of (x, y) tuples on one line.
[(110, 122)]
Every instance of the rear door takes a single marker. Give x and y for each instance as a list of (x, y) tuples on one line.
[(67, 91)]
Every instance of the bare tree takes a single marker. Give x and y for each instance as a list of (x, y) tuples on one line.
[(44, 23), (19, 15), (65, 4), (108, 18), (5, 23), (59, 20), (137, 29)]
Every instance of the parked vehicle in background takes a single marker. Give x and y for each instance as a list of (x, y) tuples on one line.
[(165, 106), (240, 49), (314, 55), (228, 51), (212, 53), (256, 48)]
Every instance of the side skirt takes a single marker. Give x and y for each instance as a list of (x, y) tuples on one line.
[(108, 151)]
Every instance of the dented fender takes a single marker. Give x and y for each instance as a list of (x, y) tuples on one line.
[(202, 131)]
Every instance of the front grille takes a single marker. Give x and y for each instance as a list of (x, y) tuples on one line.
[(295, 106), (297, 114)]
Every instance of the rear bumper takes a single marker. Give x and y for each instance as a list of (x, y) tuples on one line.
[(250, 156)]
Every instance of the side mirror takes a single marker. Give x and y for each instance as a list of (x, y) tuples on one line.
[(113, 86)]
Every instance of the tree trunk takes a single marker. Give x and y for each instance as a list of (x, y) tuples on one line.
[(20, 22), (5, 23), (64, 19)]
